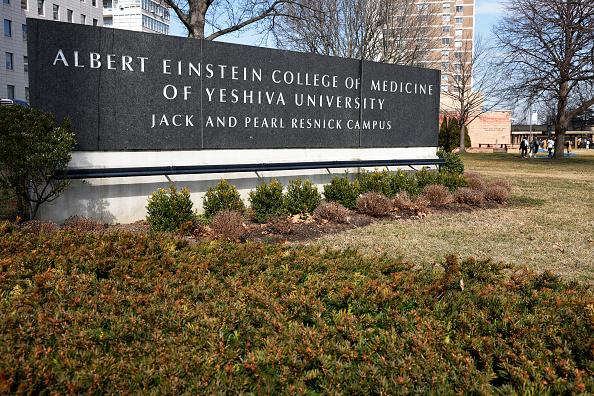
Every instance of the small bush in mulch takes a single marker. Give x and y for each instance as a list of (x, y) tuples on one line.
[(87, 224), (228, 224), (497, 193), (332, 211), (342, 190), (469, 196), (437, 195), (374, 204), (301, 197), (279, 225), (476, 183), (500, 182), (223, 196)]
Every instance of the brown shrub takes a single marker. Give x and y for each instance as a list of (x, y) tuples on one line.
[(280, 224), (420, 204), (332, 211), (38, 227), (500, 182), (228, 224), (497, 193), (469, 196), (85, 224), (374, 204), (402, 201), (437, 195), (476, 183)]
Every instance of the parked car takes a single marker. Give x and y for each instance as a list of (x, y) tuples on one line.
[(10, 102)]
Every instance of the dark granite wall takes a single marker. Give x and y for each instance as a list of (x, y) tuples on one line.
[(126, 90)]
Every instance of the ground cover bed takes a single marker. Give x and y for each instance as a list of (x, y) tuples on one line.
[(489, 300)]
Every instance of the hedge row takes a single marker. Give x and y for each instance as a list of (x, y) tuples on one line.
[(144, 314)]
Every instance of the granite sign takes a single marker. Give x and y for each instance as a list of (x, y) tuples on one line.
[(126, 90)]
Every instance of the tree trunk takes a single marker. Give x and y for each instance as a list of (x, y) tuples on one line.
[(562, 120), (462, 138)]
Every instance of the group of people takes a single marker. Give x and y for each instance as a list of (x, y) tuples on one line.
[(549, 145)]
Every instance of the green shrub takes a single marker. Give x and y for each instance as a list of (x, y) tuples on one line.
[(453, 181), (168, 211), (267, 201), (343, 191), (375, 181), (301, 197), (453, 163), (34, 154), (221, 197), (403, 181)]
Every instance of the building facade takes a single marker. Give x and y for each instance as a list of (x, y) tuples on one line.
[(139, 15), (14, 80)]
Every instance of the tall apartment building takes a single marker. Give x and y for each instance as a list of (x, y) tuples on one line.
[(140, 15), (452, 28), (14, 79)]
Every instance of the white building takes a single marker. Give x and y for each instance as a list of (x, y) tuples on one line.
[(140, 15)]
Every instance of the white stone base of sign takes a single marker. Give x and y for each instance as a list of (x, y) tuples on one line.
[(124, 199)]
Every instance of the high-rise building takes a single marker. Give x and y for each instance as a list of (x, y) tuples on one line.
[(140, 15), (14, 79)]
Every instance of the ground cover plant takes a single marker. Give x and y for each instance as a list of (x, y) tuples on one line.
[(148, 314)]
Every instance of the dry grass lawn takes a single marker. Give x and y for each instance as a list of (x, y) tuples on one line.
[(550, 227)]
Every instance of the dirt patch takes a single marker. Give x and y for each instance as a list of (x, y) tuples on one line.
[(284, 230)]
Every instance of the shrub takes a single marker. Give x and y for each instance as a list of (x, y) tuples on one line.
[(34, 153), (476, 182), (375, 181), (343, 191), (497, 193), (301, 197), (221, 197), (469, 196), (374, 204), (167, 212), (424, 178), (437, 195), (332, 211), (402, 201), (86, 224), (403, 181), (38, 227), (500, 182), (453, 181), (279, 225), (228, 224), (453, 163), (267, 201)]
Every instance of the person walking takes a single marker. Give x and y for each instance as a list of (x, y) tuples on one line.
[(550, 145), (534, 146), (524, 148)]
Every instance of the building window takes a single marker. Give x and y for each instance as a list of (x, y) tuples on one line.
[(445, 30), (27, 95), (445, 54), (445, 17), (40, 7), (6, 1), (94, 2), (56, 12), (24, 5), (24, 32), (95, 22), (458, 32), (459, 8), (70, 15), (424, 19), (446, 6), (445, 42), (9, 63), (445, 65), (458, 67), (422, 7), (445, 77), (458, 55), (7, 28), (457, 90), (444, 88), (457, 78), (26, 64), (459, 21), (10, 91), (83, 19), (457, 44)]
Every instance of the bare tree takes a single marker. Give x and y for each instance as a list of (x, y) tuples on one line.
[(548, 52), (467, 80), (227, 16), (396, 31)]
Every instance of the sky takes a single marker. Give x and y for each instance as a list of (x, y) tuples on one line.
[(487, 12)]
